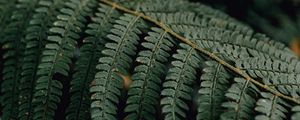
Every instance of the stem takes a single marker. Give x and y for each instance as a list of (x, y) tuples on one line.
[(205, 52)]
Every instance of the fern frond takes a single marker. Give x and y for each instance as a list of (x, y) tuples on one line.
[(228, 33), (177, 86), (237, 45), (296, 114), (57, 55), (201, 9), (7, 7), (274, 43), (117, 59), (263, 67), (13, 46), (276, 74), (145, 89), (85, 70), (271, 107), (241, 101), (42, 40), (180, 22), (214, 83), (44, 15)]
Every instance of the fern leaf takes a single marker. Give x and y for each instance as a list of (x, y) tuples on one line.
[(36, 33), (263, 67), (241, 102), (13, 47), (145, 89), (41, 42), (105, 88), (177, 86), (85, 69), (296, 114), (237, 45), (159, 6), (271, 107), (231, 36), (57, 55), (279, 75), (7, 7), (214, 83)]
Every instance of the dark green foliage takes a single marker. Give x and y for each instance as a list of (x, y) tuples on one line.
[(57, 54), (66, 59), (13, 46), (90, 52), (145, 89), (241, 101), (296, 114), (177, 88), (123, 38), (214, 83), (6, 10), (271, 108), (36, 34)]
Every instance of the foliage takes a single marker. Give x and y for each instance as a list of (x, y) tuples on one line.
[(77, 52)]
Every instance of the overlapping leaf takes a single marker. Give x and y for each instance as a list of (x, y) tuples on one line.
[(40, 41), (116, 61), (85, 70), (43, 17), (13, 46), (56, 56), (177, 88), (214, 83), (145, 89)]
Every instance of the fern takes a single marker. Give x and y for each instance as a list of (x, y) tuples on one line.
[(116, 60), (296, 114), (144, 91), (241, 101), (177, 87), (215, 81), (13, 45), (57, 54), (90, 52), (271, 107), (36, 33), (6, 10), (75, 53)]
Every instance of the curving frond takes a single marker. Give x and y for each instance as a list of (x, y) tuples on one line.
[(237, 45), (145, 89), (43, 17), (85, 70), (75, 53), (271, 107), (13, 46), (159, 6), (282, 76), (177, 88), (241, 101), (214, 83), (116, 60), (7, 7), (56, 56)]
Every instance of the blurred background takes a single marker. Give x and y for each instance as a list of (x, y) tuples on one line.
[(279, 19)]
